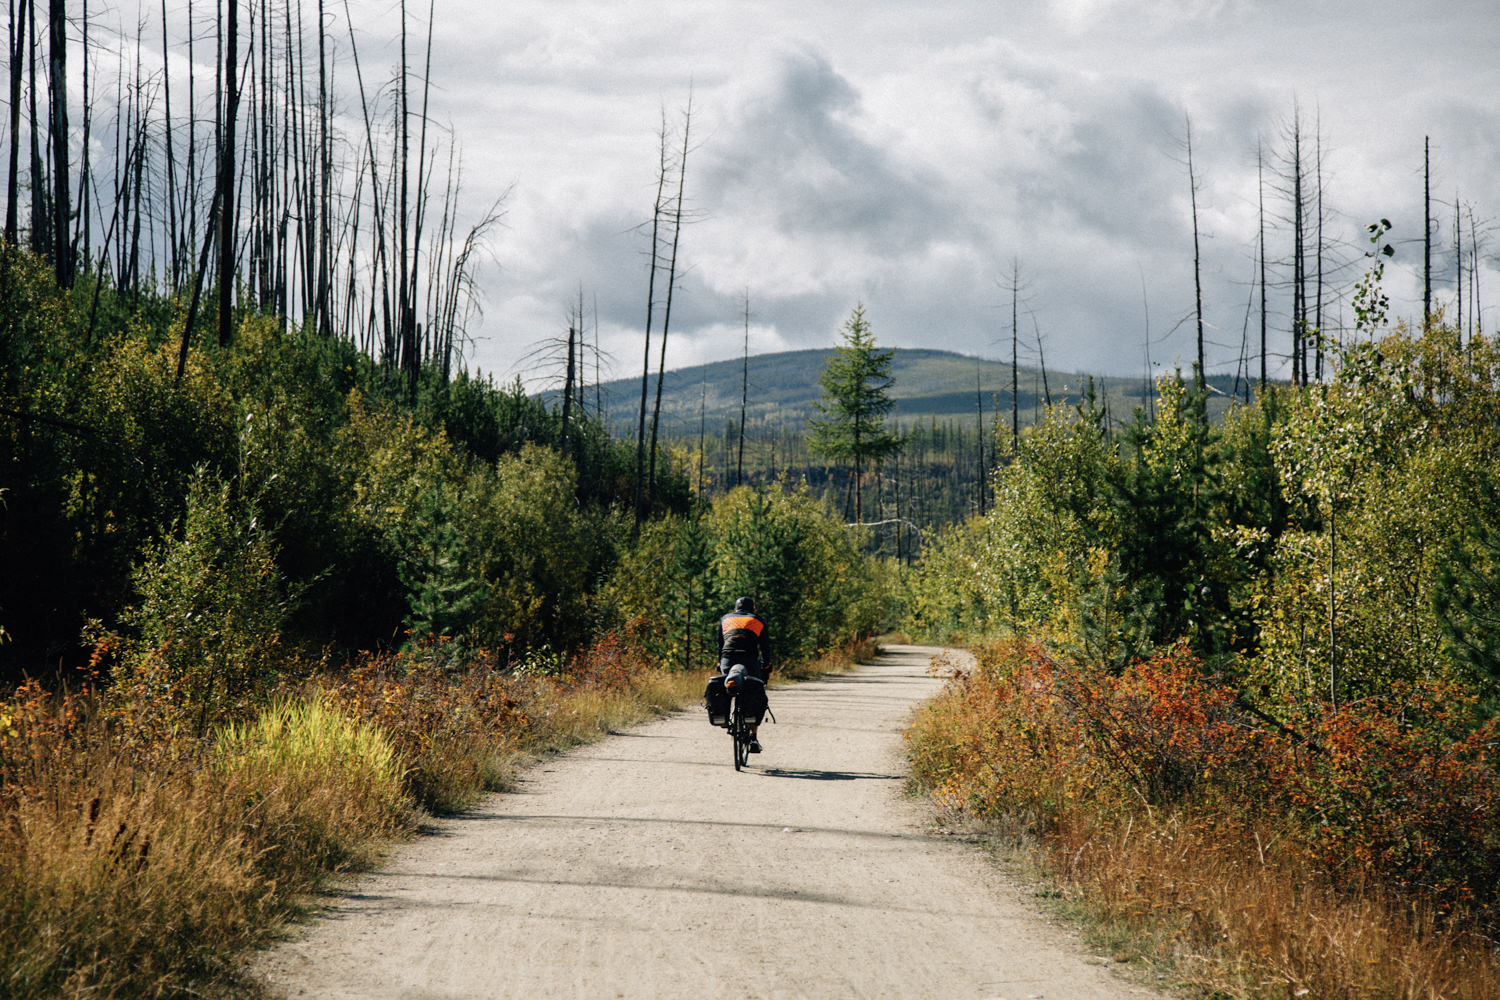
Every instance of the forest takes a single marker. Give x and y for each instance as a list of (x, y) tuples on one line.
[(283, 575)]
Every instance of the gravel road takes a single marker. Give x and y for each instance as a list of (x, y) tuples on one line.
[(645, 866)]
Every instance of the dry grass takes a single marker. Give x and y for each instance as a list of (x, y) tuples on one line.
[(1233, 920), (563, 717), (137, 869), (322, 789), (834, 661)]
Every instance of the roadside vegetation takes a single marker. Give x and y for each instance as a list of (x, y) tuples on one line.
[(1239, 681), (260, 617)]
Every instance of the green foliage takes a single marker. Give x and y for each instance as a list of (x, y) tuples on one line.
[(689, 597), (443, 594), (1015, 570), (804, 568), (1382, 468), (1163, 501), (1466, 599), (533, 550), (207, 630), (1320, 544), (100, 437), (295, 756)]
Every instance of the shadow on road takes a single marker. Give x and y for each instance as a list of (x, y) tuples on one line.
[(795, 772)]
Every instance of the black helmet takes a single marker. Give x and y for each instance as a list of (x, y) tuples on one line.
[(744, 604)]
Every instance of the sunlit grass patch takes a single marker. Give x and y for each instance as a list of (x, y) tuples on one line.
[(318, 786)]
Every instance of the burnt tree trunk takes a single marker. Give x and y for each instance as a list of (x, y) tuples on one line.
[(225, 194)]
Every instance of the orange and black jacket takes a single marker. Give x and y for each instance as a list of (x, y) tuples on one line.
[(742, 634)]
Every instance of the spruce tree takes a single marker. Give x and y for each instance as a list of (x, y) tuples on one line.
[(1467, 596), (856, 398)]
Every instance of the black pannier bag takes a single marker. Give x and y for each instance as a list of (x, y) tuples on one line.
[(716, 700), (752, 695)]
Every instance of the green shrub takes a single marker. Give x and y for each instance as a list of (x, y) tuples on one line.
[(207, 628)]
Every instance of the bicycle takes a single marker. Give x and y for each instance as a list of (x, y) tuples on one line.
[(741, 730)]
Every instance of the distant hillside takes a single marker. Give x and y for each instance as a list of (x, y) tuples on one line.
[(782, 388)]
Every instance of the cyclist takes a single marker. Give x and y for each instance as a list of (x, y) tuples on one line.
[(745, 639)]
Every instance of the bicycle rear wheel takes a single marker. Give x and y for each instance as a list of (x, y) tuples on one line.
[(741, 735)]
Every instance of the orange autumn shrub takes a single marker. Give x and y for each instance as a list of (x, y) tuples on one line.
[(1400, 793), (1403, 790), (446, 724), (985, 743)]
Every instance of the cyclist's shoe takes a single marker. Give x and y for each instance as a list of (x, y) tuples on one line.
[(755, 746)]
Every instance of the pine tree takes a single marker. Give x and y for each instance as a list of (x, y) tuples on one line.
[(1161, 498), (856, 398), (1467, 595), (442, 593)]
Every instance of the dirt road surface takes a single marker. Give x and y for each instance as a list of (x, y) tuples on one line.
[(645, 866)]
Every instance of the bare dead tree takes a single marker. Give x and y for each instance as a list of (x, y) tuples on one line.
[(88, 337), (423, 180), (702, 427), (1201, 372), (1015, 356), (1148, 388), (1426, 231), (378, 268), (1458, 265), (739, 461), (39, 228), (85, 205), (979, 435), (16, 47), (656, 217), (1260, 184), (283, 205), (62, 256), (226, 194), (1474, 309), (199, 274), (1299, 257), (324, 304), (406, 319), (1041, 359), (174, 237), (1318, 243), (190, 189), (574, 331), (666, 319)]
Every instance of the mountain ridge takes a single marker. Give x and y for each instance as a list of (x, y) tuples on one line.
[(929, 383)]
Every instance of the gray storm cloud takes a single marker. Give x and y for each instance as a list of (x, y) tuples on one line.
[(906, 158)]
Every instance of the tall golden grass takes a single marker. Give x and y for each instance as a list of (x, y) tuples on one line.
[(1233, 920)]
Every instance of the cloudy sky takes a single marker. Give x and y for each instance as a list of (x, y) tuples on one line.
[(905, 154)]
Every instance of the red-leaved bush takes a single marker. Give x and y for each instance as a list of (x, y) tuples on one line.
[(1400, 792)]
